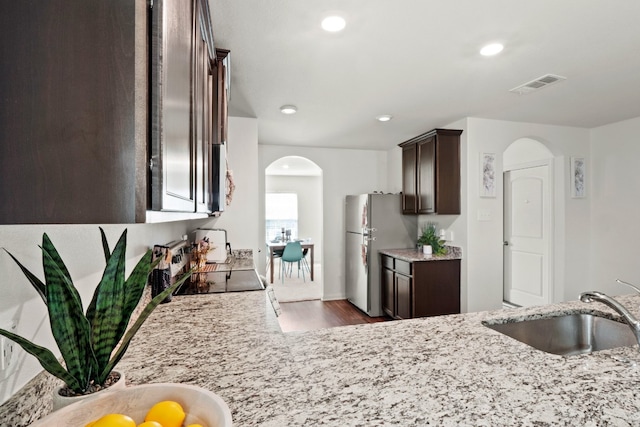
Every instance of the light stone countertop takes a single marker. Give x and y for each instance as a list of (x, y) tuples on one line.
[(414, 255), (445, 371)]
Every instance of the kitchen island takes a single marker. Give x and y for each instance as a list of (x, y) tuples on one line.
[(447, 370)]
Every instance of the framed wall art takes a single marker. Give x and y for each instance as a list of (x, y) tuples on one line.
[(578, 178), (488, 175)]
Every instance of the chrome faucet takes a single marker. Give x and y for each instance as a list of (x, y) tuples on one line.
[(633, 323)]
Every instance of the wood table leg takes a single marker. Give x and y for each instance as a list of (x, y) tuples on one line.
[(312, 262), (271, 262)]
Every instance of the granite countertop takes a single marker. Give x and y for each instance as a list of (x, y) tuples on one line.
[(414, 255), (448, 370)]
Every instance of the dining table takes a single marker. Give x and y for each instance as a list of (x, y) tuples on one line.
[(274, 246)]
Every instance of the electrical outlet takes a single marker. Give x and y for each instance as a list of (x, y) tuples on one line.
[(7, 353)]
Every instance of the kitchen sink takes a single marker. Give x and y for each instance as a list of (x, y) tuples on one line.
[(569, 334)]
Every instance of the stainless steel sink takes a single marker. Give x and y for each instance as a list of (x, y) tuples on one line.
[(570, 334)]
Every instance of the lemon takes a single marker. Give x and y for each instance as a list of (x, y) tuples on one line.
[(113, 420), (150, 424), (168, 413), (195, 425)]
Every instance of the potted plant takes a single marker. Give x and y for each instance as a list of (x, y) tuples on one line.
[(91, 343), (429, 237)]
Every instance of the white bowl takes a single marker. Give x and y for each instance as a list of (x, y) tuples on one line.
[(200, 405)]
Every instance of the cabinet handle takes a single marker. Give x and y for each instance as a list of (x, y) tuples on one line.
[(506, 243)]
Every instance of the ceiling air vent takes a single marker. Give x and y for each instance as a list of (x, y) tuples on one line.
[(539, 83)]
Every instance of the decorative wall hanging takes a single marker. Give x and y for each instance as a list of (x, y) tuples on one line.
[(488, 175), (577, 178), (230, 186)]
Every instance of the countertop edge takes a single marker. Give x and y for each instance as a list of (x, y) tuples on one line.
[(414, 255)]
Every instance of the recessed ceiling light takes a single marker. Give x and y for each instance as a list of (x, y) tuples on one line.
[(333, 24), (384, 118), (288, 109), (491, 49)]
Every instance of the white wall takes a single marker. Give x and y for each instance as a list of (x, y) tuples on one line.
[(344, 172), (614, 194), (481, 241), (485, 237), (240, 218), (81, 249), (309, 192)]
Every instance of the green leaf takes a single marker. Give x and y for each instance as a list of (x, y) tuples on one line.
[(105, 245), (55, 256), (107, 314), (69, 326), (138, 323), (134, 287), (46, 358), (37, 283)]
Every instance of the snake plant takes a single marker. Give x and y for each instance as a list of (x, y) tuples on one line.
[(91, 343)]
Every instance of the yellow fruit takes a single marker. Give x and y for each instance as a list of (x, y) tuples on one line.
[(90, 424), (114, 420), (195, 425), (168, 413), (150, 424)]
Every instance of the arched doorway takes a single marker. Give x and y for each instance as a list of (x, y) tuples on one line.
[(293, 202), (528, 223)]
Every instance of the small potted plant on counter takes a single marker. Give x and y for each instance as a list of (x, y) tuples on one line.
[(429, 238), (91, 343)]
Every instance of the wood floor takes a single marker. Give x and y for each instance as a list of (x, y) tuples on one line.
[(317, 314)]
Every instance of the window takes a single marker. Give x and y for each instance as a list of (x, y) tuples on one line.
[(281, 211)]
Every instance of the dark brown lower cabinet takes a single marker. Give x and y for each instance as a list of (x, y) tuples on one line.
[(404, 307), (421, 288)]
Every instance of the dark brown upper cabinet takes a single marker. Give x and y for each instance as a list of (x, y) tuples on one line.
[(184, 106), (221, 95), (431, 173), (73, 111), (173, 134), (106, 110)]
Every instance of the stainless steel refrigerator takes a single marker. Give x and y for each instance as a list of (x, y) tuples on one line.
[(373, 222)]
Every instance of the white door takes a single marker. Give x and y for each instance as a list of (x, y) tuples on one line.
[(527, 233)]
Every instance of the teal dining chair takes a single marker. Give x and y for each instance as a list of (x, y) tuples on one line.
[(292, 254)]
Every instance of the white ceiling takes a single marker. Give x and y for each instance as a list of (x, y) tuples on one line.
[(418, 60)]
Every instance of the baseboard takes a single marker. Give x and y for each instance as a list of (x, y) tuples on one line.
[(507, 304), (333, 297)]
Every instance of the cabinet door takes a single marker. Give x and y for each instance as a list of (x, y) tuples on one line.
[(73, 113), (447, 170), (173, 172), (409, 198), (426, 175), (388, 297), (202, 112), (436, 288), (403, 296), (221, 96)]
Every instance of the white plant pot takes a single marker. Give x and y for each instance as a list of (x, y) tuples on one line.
[(60, 401), (426, 249)]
